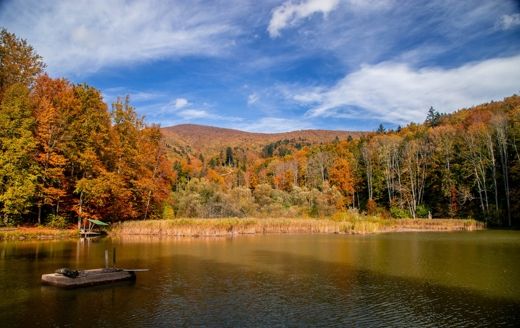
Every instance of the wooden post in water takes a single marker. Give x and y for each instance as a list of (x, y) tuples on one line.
[(106, 258), (114, 258)]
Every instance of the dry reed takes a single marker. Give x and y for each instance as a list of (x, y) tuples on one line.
[(36, 233), (234, 226)]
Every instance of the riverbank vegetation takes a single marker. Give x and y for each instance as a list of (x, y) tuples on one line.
[(36, 233), (65, 157), (342, 223)]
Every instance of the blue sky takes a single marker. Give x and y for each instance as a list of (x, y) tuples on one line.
[(273, 66)]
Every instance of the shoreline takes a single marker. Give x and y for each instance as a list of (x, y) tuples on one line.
[(36, 233), (225, 227), (194, 227)]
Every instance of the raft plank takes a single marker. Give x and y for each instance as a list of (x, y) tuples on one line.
[(87, 278)]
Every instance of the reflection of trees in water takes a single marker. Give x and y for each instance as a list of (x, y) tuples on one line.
[(231, 282), (306, 290)]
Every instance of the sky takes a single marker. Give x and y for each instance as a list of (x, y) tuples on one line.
[(273, 66)]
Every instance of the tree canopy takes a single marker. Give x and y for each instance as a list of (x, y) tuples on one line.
[(65, 155)]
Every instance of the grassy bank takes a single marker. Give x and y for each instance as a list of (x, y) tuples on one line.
[(234, 226), (342, 224), (36, 233)]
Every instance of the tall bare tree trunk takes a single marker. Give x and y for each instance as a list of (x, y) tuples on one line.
[(501, 129)]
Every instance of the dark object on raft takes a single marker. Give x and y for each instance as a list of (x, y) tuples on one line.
[(67, 272), (67, 278)]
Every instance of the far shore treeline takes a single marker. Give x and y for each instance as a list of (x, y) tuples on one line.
[(64, 155)]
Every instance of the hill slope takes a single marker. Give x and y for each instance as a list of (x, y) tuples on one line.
[(189, 138)]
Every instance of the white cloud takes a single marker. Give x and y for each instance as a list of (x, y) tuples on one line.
[(140, 96), (507, 22), (369, 5), (82, 36), (398, 93), (137, 97), (252, 99), (275, 124), (290, 13), (359, 31), (312, 95), (181, 103), (194, 114), (202, 114)]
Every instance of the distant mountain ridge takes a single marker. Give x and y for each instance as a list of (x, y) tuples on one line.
[(203, 138)]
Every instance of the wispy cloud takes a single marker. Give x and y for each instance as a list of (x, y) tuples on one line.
[(290, 13), (398, 93), (383, 60), (181, 103), (190, 114), (140, 96), (252, 99), (84, 36), (198, 114), (275, 124), (507, 22), (369, 5), (360, 32), (110, 95)]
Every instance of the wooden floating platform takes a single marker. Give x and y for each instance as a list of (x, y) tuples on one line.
[(89, 277), (86, 233)]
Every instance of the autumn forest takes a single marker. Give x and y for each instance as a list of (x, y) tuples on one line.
[(65, 155)]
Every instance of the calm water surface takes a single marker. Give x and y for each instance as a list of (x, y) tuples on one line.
[(466, 279)]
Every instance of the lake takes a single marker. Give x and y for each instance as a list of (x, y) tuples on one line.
[(465, 279)]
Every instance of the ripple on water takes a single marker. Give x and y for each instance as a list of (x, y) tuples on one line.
[(329, 298), (286, 285)]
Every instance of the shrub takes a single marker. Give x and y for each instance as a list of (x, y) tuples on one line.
[(339, 216), (399, 213), (57, 221), (300, 196), (168, 212), (371, 207), (383, 213), (422, 211), (281, 197), (243, 199), (10, 221), (262, 195), (188, 204), (205, 199)]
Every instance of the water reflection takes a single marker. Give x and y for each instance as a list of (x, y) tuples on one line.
[(280, 280)]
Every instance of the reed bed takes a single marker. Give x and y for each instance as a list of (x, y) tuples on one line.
[(235, 226), (36, 233)]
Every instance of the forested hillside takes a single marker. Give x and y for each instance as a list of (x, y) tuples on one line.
[(465, 164), (64, 156), (192, 138)]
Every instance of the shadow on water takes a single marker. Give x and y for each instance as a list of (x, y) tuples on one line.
[(215, 286)]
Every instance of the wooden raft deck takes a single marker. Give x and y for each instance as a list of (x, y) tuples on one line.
[(88, 278)]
